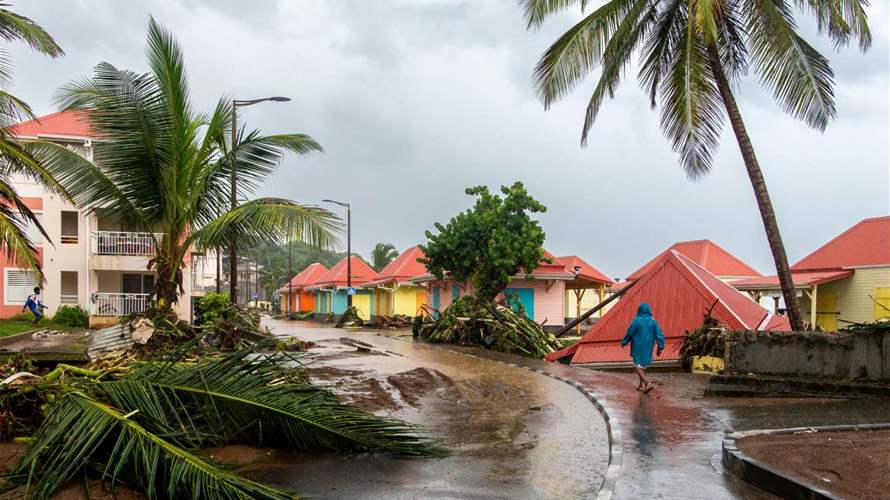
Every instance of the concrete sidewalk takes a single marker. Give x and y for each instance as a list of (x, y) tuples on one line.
[(671, 437)]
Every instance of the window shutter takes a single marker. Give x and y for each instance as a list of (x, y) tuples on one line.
[(19, 284)]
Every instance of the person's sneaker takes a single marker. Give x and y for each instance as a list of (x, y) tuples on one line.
[(648, 388)]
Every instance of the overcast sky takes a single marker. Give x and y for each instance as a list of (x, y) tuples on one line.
[(415, 100)]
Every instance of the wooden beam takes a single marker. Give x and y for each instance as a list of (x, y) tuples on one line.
[(589, 313)]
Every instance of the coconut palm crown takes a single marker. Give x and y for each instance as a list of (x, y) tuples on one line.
[(691, 55), (166, 169)]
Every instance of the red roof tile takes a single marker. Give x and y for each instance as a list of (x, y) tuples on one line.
[(865, 244), (680, 293), (306, 277), (403, 268), (63, 124), (587, 271), (799, 279), (705, 253), (337, 275)]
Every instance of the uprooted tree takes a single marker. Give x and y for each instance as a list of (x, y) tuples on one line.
[(486, 246)]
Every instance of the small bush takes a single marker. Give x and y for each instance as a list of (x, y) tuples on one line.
[(72, 316), (212, 307), (25, 316)]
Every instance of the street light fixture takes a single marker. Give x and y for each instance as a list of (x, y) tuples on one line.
[(233, 249), (348, 247)]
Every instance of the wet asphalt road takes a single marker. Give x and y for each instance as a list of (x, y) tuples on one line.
[(514, 433)]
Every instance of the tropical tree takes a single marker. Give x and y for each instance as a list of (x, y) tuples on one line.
[(15, 216), (489, 243), (382, 255), (166, 169), (692, 54)]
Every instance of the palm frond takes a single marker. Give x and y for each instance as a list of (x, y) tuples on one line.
[(239, 399), (270, 219), (800, 77), (692, 111), (81, 430), (17, 27), (578, 51), (536, 11), (841, 19), (660, 46)]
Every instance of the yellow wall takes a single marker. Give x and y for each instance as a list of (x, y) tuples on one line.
[(362, 302), (406, 300), (853, 301), (590, 299)]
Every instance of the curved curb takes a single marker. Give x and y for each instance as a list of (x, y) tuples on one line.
[(771, 479), (613, 430)]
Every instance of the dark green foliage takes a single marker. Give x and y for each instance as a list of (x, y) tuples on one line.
[(707, 340), (72, 316), (382, 255), (489, 243), (273, 259), (471, 320), (350, 317)]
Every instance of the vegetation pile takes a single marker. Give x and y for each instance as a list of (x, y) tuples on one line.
[(301, 316), (709, 339), (470, 320), (350, 317)]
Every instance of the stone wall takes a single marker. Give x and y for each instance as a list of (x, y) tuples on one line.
[(863, 355)]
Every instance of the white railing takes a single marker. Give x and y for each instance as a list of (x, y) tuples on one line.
[(119, 304), (124, 243)]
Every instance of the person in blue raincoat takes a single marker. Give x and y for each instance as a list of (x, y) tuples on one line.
[(641, 335)]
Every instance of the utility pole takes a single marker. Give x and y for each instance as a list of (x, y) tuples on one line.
[(348, 246)]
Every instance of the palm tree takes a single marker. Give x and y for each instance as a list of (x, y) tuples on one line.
[(15, 216), (166, 169), (382, 255), (692, 55)]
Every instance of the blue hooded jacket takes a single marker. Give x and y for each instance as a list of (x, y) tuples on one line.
[(642, 333)]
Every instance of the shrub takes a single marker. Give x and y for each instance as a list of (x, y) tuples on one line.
[(72, 316), (211, 307)]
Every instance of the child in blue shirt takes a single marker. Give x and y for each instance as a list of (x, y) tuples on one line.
[(35, 305)]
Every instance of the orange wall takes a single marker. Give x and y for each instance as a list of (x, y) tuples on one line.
[(305, 303), (10, 311)]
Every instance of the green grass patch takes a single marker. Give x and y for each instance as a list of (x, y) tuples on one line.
[(24, 322)]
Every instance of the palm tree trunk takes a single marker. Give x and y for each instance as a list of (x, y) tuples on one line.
[(760, 192)]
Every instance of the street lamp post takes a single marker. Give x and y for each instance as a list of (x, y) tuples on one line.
[(233, 249), (348, 247)]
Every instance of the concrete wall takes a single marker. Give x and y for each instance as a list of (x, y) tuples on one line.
[(863, 354)]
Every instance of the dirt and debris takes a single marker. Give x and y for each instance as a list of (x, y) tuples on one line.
[(416, 383), (852, 464)]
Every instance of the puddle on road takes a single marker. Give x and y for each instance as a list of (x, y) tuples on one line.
[(514, 434)]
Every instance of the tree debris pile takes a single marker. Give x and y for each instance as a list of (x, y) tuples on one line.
[(707, 340), (350, 317), (473, 321), (141, 423)]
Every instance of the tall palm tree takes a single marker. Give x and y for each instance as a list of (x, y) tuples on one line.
[(15, 216), (166, 169), (382, 255), (692, 53)]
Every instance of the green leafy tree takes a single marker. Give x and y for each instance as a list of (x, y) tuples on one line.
[(382, 255), (489, 243), (167, 169), (692, 55), (15, 216), (274, 269)]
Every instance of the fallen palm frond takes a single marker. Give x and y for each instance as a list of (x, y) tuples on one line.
[(470, 320), (141, 426)]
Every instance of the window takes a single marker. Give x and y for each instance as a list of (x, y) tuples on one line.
[(69, 227), (17, 285), (137, 283), (68, 281), (33, 232)]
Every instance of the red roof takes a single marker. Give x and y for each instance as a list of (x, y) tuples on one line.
[(705, 253), (72, 123), (306, 277), (803, 279), (337, 275), (865, 244), (587, 272), (403, 268), (680, 293)]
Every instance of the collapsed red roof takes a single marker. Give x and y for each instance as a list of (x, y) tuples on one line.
[(865, 244), (306, 277), (403, 268), (680, 293), (705, 253), (337, 275), (71, 123)]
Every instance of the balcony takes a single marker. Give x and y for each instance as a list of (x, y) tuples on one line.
[(119, 304), (124, 243)]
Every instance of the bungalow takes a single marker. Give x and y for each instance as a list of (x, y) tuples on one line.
[(680, 293), (848, 278), (542, 294), (294, 295), (393, 292), (331, 289), (587, 278)]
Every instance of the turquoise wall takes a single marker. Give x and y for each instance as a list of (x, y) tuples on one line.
[(525, 296)]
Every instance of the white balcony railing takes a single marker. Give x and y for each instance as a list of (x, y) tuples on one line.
[(123, 243), (119, 304)]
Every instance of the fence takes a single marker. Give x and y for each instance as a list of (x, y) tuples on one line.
[(120, 304), (124, 243)]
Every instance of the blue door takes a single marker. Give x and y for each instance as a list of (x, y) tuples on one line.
[(524, 297), (339, 302), (455, 292), (436, 301)]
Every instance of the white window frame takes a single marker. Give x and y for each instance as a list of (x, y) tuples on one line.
[(6, 294)]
